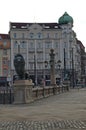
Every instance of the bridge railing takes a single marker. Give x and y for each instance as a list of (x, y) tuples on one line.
[(41, 92), (7, 94)]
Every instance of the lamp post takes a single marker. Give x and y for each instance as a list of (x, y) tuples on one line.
[(35, 71), (59, 66), (19, 47), (46, 63), (73, 80), (64, 64), (9, 79)]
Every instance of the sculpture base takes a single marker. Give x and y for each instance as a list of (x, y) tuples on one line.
[(23, 91)]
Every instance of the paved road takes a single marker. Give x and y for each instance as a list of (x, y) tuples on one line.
[(64, 111)]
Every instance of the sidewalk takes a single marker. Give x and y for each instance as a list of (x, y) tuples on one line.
[(69, 107)]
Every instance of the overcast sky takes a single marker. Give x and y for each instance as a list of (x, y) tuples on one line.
[(43, 11)]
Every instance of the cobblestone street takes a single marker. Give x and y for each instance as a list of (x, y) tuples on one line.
[(43, 125), (66, 111)]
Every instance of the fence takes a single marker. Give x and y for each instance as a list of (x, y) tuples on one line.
[(6, 96)]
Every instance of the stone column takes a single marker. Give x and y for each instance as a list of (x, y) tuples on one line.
[(52, 65)]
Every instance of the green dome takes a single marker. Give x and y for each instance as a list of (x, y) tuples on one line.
[(65, 18)]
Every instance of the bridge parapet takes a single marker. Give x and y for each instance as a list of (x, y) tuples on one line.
[(41, 92)]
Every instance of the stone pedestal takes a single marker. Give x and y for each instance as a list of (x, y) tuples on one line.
[(23, 91)]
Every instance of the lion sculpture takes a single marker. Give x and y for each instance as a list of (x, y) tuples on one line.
[(19, 64)]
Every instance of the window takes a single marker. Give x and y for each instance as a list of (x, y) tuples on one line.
[(14, 35), (31, 45), (15, 44), (39, 35), (70, 54), (65, 46), (56, 35), (4, 52), (31, 35), (47, 56), (25, 56), (8, 64), (40, 66), (5, 43), (31, 66), (48, 35), (40, 57), (39, 45), (48, 45), (23, 44), (56, 45), (22, 35), (5, 72), (4, 62)]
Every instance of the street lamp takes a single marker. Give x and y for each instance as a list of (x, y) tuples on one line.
[(64, 64), (35, 71), (47, 63), (59, 71), (9, 80), (59, 64), (19, 47), (73, 77)]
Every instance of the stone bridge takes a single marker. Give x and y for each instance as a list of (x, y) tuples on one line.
[(63, 111)]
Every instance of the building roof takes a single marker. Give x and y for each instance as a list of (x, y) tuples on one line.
[(81, 45), (17, 25), (65, 19), (4, 36)]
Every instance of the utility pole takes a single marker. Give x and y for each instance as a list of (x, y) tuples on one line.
[(64, 64), (35, 71)]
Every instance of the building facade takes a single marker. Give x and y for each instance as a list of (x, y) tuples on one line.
[(34, 41), (4, 59), (83, 60), (4, 55)]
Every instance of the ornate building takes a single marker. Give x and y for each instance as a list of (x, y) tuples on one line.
[(34, 41)]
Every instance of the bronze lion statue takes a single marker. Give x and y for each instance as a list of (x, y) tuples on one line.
[(19, 64)]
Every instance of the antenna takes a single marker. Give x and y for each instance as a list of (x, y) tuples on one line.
[(34, 19)]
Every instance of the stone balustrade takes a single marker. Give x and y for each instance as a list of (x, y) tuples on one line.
[(41, 92), (8, 96)]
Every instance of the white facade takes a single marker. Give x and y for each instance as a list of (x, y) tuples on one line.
[(36, 40)]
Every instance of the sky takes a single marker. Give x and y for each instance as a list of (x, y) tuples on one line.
[(43, 11)]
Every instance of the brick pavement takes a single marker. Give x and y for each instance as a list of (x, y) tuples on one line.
[(42, 125), (65, 111)]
